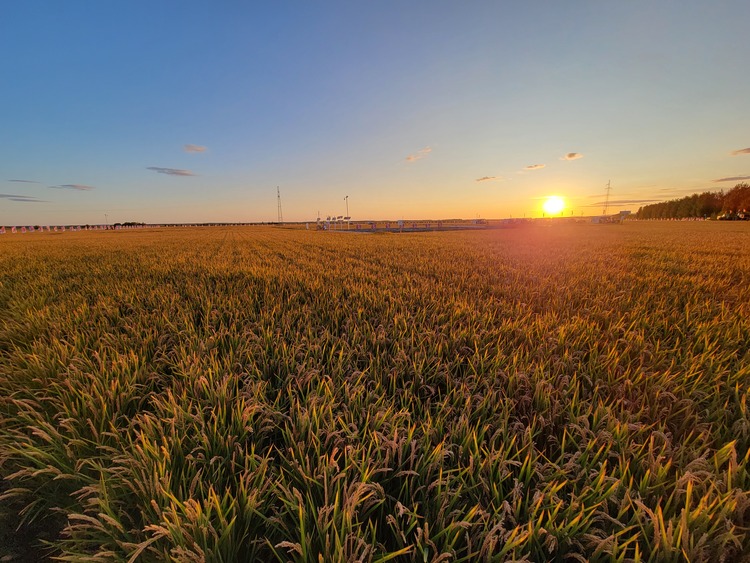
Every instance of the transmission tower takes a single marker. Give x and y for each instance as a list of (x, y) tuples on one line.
[(606, 200), (278, 200)]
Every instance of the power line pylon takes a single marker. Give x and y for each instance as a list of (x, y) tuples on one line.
[(606, 200), (278, 200)]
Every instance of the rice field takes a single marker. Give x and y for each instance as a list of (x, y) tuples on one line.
[(570, 393)]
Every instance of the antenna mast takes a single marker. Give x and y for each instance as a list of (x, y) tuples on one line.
[(606, 200), (278, 200)]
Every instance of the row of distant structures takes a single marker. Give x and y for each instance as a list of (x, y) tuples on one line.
[(70, 228), (334, 223), (329, 224)]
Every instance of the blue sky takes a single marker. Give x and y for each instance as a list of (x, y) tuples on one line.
[(196, 111)]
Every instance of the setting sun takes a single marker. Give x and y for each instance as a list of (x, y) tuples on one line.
[(553, 205)]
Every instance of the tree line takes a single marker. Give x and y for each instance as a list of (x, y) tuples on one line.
[(724, 205)]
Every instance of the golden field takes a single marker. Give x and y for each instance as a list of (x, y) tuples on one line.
[(549, 393)]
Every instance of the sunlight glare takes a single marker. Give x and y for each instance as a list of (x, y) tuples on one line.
[(553, 205)]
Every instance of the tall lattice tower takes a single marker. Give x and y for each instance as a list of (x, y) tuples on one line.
[(278, 200), (606, 200)]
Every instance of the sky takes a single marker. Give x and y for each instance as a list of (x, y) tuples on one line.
[(188, 111)]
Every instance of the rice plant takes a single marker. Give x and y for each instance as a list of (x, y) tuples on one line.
[(233, 394)]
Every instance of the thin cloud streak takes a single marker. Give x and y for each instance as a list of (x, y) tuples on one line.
[(740, 151), (25, 181), (622, 202), (489, 179), (422, 153), (676, 191), (194, 148), (22, 198), (76, 187), (535, 166), (170, 171), (733, 179)]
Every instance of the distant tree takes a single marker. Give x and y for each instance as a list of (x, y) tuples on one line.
[(737, 199), (710, 203), (706, 204)]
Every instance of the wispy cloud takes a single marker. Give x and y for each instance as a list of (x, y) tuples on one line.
[(740, 151), (489, 179), (572, 156), (24, 181), (170, 171), (420, 154), (194, 148), (535, 166), (733, 179), (77, 187), (21, 198)]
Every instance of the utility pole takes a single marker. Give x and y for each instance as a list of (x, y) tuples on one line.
[(346, 199), (106, 220), (278, 200)]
